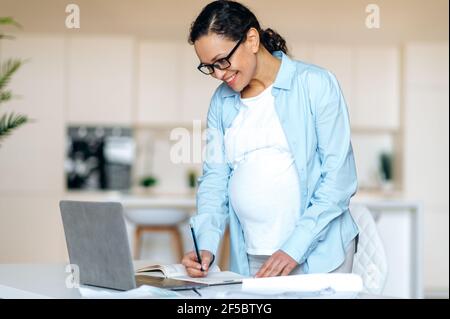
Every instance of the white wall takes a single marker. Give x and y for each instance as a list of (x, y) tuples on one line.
[(31, 163)]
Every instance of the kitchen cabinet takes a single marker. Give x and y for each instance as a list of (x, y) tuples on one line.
[(369, 79), (158, 83), (339, 60), (196, 87), (376, 88), (426, 65), (100, 80), (171, 90), (32, 158)]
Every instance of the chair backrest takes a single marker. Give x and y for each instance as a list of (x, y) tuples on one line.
[(370, 259)]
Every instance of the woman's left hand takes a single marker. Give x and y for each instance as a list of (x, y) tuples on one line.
[(279, 264)]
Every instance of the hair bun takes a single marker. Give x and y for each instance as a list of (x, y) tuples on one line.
[(272, 41)]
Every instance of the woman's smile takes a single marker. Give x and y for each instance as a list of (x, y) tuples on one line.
[(230, 80)]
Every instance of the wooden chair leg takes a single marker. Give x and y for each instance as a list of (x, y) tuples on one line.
[(178, 241), (225, 250), (137, 242)]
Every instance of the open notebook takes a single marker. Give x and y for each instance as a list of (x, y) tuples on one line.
[(177, 271)]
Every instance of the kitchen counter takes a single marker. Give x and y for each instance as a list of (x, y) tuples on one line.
[(187, 200), (139, 200), (160, 201)]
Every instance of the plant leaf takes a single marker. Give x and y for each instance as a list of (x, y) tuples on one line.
[(5, 96), (9, 21), (4, 36), (7, 69), (11, 122)]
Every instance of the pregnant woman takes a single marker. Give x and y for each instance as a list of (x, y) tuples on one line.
[(279, 167)]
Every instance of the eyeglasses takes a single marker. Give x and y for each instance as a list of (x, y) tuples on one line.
[(220, 64)]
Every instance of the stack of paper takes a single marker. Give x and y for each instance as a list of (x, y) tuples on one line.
[(319, 283)]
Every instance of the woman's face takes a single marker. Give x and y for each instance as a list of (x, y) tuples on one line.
[(213, 47)]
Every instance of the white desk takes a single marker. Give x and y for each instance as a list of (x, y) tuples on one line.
[(44, 281)]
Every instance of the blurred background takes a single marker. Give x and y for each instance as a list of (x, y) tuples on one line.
[(105, 96)]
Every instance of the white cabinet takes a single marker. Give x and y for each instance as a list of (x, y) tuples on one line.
[(369, 79), (196, 87), (426, 65), (337, 59), (171, 90), (32, 158), (158, 83), (100, 80), (376, 88)]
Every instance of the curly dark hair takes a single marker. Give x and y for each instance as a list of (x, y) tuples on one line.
[(232, 20)]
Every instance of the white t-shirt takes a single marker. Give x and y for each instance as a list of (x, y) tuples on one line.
[(264, 187)]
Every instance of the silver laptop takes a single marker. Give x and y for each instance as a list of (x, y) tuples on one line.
[(97, 243)]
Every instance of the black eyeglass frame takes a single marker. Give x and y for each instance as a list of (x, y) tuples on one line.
[(215, 65)]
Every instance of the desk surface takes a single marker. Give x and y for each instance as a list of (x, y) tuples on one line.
[(37, 281)]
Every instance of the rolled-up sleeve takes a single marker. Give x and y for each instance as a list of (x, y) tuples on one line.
[(338, 182), (212, 194)]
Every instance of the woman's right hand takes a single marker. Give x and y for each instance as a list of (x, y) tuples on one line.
[(192, 265)]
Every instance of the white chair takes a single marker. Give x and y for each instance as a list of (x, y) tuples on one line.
[(370, 259), (157, 220)]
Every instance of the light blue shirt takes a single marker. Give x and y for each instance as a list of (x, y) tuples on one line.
[(314, 117)]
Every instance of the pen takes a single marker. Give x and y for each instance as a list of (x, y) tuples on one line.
[(196, 291), (196, 247)]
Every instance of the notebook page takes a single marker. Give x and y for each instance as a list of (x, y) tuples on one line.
[(215, 278), (170, 270)]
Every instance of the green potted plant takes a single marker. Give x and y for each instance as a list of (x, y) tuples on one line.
[(9, 121), (192, 180), (386, 171), (148, 182)]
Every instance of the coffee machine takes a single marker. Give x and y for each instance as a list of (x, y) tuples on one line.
[(99, 158)]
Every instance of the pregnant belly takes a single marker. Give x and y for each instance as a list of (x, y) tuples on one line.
[(264, 186)]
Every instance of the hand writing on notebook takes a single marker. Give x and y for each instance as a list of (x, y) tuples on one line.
[(279, 264), (193, 267)]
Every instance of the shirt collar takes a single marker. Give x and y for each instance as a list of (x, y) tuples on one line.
[(283, 79)]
